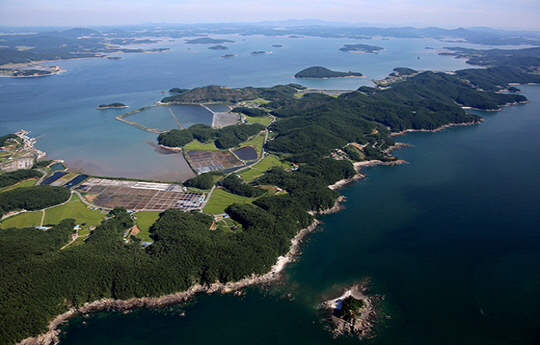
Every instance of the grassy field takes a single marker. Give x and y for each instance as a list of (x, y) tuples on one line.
[(27, 183), (262, 120), (257, 142), (24, 220), (258, 101), (258, 169), (75, 209), (221, 199), (251, 175), (144, 221), (197, 145)]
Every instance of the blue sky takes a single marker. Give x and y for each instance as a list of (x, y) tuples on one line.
[(442, 13)]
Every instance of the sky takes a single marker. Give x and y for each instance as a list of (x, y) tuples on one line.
[(512, 14)]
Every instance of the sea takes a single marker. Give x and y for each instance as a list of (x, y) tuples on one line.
[(449, 242)]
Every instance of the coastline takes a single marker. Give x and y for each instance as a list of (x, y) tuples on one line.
[(438, 129), (275, 274), (366, 164), (347, 76)]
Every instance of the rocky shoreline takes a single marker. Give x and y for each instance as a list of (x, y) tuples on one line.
[(439, 129), (275, 274), (363, 326)]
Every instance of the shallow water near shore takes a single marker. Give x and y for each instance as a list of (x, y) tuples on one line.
[(451, 240)]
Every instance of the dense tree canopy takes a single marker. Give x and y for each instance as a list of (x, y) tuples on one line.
[(33, 198), (11, 178)]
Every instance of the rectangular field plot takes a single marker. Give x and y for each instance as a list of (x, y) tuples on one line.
[(134, 195), (205, 161)]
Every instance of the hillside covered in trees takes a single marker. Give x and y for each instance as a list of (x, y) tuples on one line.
[(323, 72), (216, 93), (224, 138)]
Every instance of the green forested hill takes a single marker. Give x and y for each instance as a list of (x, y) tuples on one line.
[(323, 72)]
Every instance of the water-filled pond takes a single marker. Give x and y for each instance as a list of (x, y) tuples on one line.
[(246, 153)]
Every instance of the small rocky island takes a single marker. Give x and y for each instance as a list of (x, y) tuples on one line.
[(352, 313), (322, 72), (112, 106), (259, 52), (361, 48)]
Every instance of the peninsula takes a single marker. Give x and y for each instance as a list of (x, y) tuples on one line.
[(318, 72), (252, 214)]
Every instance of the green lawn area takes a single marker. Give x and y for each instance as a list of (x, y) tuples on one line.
[(75, 209), (258, 101), (259, 168), (144, 221), (28, 183), (221, 199), (251, 175), (257, 142), (262, 120), (197, 145), (24, 220)]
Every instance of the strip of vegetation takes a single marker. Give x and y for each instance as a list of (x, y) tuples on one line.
[(204, 181), (11, 178), (33, 198), (5, 138), (223, 138), (235, 185), (255, 112)]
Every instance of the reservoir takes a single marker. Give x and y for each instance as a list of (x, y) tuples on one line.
[(53, 177), (246, 153), (174, 116), (57, 167)]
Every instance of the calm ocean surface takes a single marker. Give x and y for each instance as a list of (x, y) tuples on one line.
[(451, 240), (62, 108)]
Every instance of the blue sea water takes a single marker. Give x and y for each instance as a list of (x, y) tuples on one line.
[(451, 240), (62, 107)]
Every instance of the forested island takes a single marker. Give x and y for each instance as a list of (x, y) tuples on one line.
[(320, 134), (323, 72), (208, 40), (361, 48), (115, 105), (218, 47)]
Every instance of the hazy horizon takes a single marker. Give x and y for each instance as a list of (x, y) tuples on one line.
[(519, 14)]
